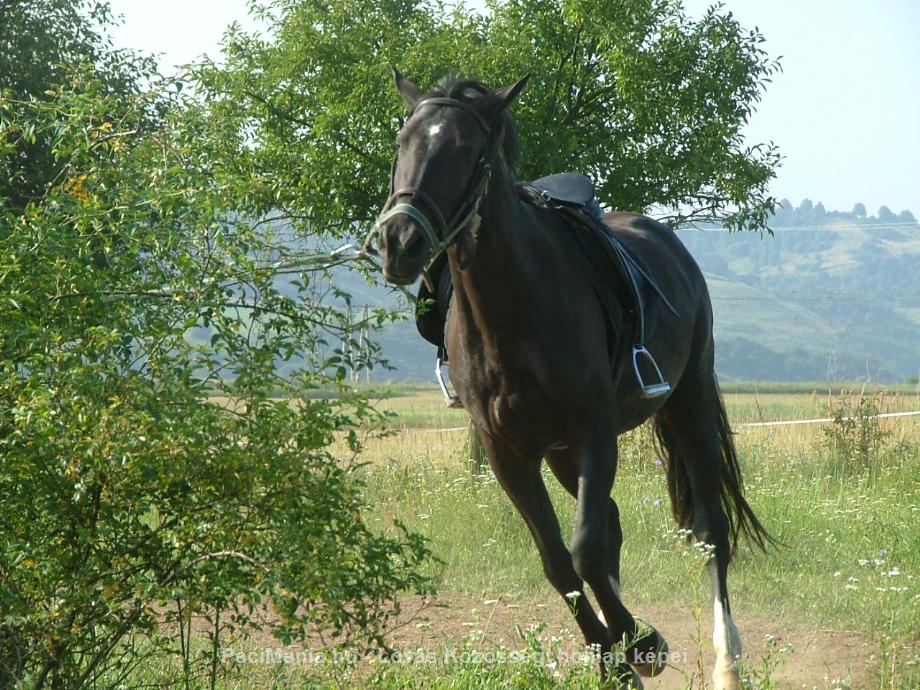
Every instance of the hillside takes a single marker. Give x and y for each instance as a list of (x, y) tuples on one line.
[(836, 302)]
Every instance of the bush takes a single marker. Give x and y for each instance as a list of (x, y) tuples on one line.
[(149, 476), (855, 438)]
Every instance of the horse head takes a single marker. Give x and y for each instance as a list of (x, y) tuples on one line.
[(441, 173)]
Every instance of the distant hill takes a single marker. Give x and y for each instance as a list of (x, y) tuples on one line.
[(814, 304), (830, 296)]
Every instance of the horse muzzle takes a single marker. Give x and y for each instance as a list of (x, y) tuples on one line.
[(404, 251)]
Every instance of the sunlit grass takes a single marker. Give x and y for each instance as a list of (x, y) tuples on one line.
[(850, 558)]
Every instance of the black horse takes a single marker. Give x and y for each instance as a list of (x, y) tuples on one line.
[(544, 374)]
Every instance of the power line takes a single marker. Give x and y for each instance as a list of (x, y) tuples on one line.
[(842, 298), (865, 226)]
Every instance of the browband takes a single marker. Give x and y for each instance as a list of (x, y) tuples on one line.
[(456, 103)]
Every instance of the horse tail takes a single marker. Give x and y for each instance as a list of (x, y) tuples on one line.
[(741, 517), (676, 472)]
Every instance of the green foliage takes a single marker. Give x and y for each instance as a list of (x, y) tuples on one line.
[(645, 100), (45, 44), (150, 475), (855, 439)]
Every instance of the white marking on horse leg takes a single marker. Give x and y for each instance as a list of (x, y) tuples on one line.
[(727, 642)]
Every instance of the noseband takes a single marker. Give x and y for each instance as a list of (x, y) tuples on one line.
[(441, 233)]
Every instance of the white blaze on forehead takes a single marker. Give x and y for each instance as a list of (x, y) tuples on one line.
[(435, 130)]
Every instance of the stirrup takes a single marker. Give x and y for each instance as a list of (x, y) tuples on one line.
[(651, 390), (452, 401)]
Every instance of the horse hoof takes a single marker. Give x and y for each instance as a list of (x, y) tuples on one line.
[(648, 654), (623, 678), (635, 683), (728, 679)]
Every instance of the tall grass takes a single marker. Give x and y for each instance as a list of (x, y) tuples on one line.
[(850, 560)]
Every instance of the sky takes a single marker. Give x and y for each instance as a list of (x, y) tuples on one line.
[(845, 110)]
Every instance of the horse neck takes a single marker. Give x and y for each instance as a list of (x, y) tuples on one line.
[(491, 285)]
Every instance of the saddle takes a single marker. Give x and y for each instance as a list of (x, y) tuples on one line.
[(574, 196)]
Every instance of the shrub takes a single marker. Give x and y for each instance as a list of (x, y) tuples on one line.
[(855, 438), (157, 466)]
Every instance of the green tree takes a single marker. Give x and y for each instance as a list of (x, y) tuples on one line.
[(44, 44), (804, 211), (886, 215), (906, 216), (645, 100), (155, 465), (859, 210), (818, 214)]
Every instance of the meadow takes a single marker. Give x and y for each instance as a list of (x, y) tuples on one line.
[(836, 606)]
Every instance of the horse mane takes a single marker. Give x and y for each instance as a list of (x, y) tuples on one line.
[(452, 85)]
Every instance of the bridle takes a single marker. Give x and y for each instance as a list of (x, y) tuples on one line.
[(441, 233)]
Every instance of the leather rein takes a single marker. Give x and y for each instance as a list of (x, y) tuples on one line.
[(419, 206)]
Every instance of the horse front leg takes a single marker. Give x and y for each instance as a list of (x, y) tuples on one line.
[(645, 649), (520, 478), (564, 464)]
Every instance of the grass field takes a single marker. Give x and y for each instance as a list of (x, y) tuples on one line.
[(837, 606)]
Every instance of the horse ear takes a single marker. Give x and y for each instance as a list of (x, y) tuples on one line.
[(509, 93), (497, 101), (411, 93)]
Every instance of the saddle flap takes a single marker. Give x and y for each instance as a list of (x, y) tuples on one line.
[(568, 188)]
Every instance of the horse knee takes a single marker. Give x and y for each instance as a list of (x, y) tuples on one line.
[(589, 556), (558, 572)]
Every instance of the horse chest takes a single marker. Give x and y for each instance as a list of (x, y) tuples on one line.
[(518, 415)]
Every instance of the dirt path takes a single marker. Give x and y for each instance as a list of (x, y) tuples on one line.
[(819, 657)]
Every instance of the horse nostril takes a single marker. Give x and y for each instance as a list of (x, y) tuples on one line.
[(414, 242)]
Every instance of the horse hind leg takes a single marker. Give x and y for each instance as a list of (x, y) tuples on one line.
[(704, 481)]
